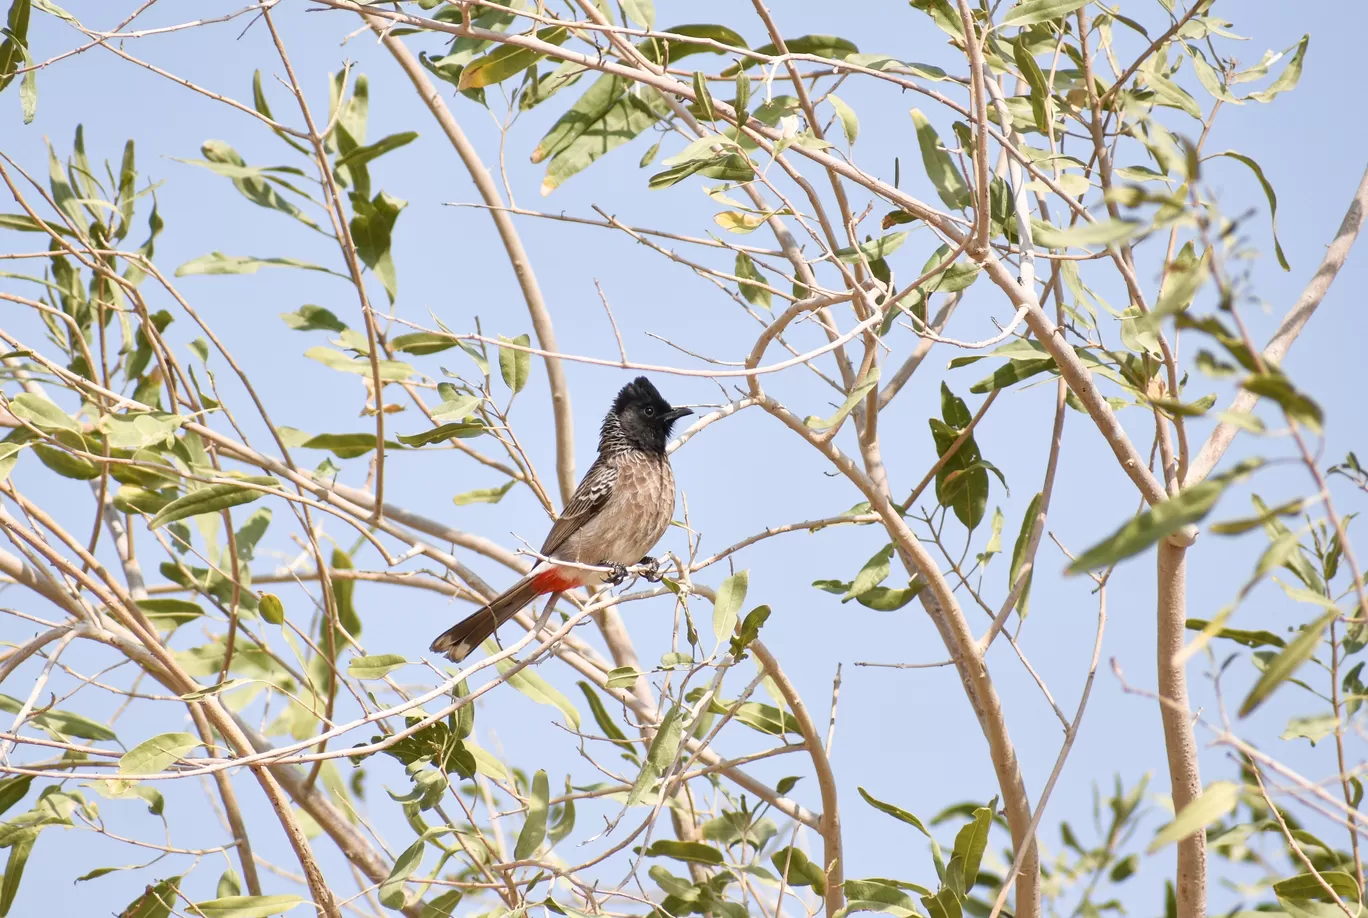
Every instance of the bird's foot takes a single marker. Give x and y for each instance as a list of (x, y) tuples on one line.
[(652, 571), (618, 574)]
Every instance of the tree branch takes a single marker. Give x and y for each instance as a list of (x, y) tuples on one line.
[(833, 857), (512, 242), (1292, 324)]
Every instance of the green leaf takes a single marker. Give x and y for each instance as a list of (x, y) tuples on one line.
[(940, 167), (507, 60), (691, 852), (9, 456), (375, 667), (534, 828), (622, 676), (1210, 79), (42, 413), (247, 906), (605, 723), (392, 889), (313, 318), (970, 843), (229, 884), (392, 370), (765, 718), (360, 156), (343, 446), (1190, 505), (1218, 799), (1186, 276), (135, 431), (484, 495), (888, 599), (730, 596), (850, 122), (421, 343), (1247, 638), (211, 499), (861, 390), (944, 904), (745, 267), (253, 183), (728, 166), (661, 754), (563, 826), (156, 902), (1169, 93), (742, 101), (514, 365), (1103, 232), (67, 464), (874, 572), (962, 482), (23, 223), (211, 690), (66, 723), (1278, 387), (1290, 76), (872, 250), (1287, 662), (1236, 527), (658, 50), (1041, 105), (444, 906), (832, 46), (642, 12), (1314, 728), (590, 109), (458, 429), (155, 754), (625, 119), (454, 405), (372, 228), (876, 895), (14, 868), (1308, 886), (121, 789), (1019, 548), (219, 263), (344, 593), (795, 867), (896, 812), (1272, 197), (1029, 12), (13, 789), (703, 97), (539, 690), (13, 50), (749, 631)]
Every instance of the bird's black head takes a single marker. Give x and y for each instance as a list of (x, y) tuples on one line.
[(640, 418)]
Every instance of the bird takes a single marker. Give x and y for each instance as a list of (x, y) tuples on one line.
[(618, 512)]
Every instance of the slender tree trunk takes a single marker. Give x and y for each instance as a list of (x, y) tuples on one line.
[(1179, 741)]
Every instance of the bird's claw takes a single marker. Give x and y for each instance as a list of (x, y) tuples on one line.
[(651, 569), (618, 574)]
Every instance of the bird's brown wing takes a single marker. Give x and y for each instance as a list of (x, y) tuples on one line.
[(589, 498)]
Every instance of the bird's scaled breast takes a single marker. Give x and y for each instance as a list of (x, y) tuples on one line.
[(635, 517)]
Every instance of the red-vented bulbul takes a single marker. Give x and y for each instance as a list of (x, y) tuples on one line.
[(616, 515)]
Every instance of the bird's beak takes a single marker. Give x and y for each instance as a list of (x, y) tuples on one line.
[(675, 414)]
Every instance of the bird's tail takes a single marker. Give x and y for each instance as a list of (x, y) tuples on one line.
[(458, 641)]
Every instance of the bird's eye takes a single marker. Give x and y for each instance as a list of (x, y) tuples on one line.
[(650, 411)]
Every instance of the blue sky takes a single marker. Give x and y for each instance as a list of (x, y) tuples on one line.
[(908, 736)]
